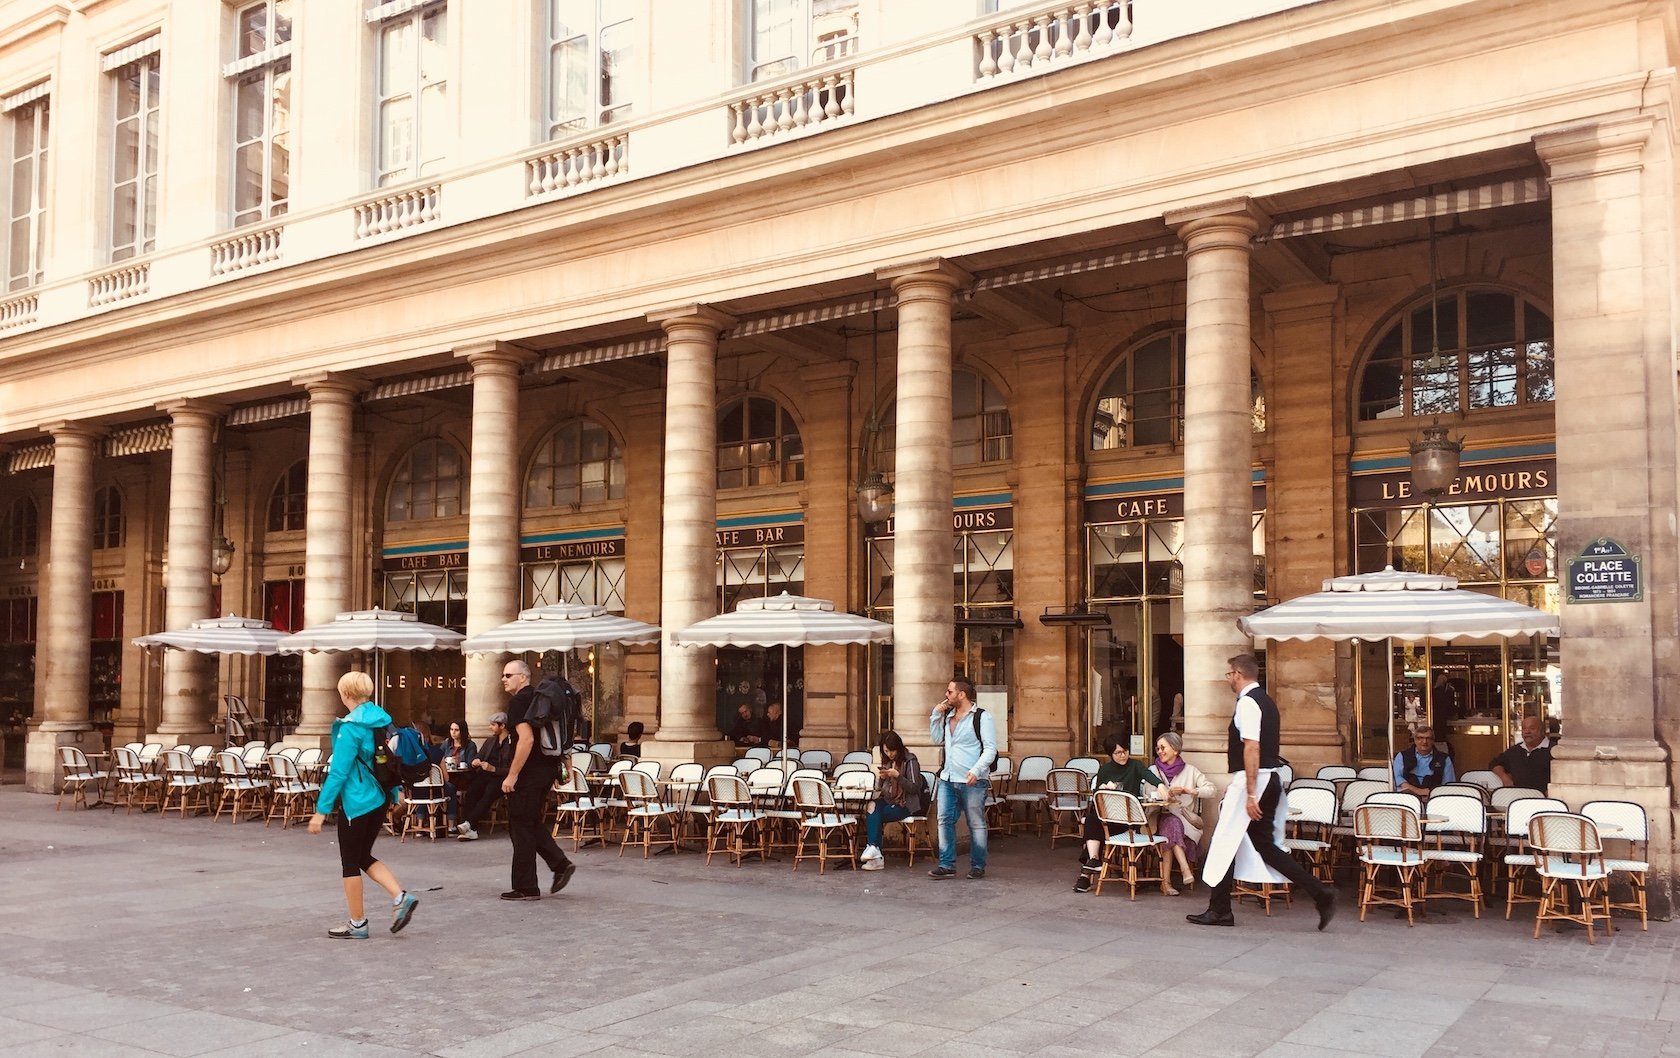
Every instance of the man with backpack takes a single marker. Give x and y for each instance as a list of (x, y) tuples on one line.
[(970, 739), (537, 756)]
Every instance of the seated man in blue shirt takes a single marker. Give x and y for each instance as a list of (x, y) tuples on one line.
[(1421, 768)]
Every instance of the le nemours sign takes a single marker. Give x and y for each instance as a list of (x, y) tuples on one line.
[(1605, 572)]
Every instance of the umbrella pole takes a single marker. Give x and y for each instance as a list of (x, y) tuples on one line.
[(786, 701), (1388, 648)]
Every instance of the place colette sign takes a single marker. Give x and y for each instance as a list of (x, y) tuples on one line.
[(1605, 572)]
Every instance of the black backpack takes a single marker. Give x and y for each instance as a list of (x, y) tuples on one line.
[(387, 769), (555, 706)]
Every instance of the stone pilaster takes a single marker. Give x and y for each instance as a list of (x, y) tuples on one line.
[(1612, 247), (923, 620), (641, 420), (189, 678), (493, 507), (830, 541), (688, 555), (1301, 512), (1218, 460), (64, 653), (329, 541), (1047, 571)]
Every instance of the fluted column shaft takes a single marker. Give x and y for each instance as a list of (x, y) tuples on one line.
[(189, 678), (328, 540), (493, 517), (65, 650), (923, 621), (688, 559), (1218, 551)]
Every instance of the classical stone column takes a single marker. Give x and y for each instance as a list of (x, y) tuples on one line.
[(1612, 288), (494, 503), (923, 621), (65, 652), (1047, 567), (1218, 549), (189, 678), (688, 555), (329, 541), (1301, 507)]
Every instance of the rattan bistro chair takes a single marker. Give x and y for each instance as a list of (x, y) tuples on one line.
[(1569, 858), (1458, 830), (1067, 792), (644, 812), (135, 784), (736, 827), (290, 795), (183, 784), (241, 791), (1519, 861), (1630, 826), (1134, 848), (79, 776), (820, 822), (1389, 839)]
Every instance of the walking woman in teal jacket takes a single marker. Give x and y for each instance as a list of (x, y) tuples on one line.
[(361, 802)]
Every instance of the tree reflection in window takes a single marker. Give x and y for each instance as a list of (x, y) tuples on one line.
[(758, 444), (431, 482), (1491, 350), (577, 463), (1141, 403)]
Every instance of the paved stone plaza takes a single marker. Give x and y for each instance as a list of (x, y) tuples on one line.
[(134, 935)]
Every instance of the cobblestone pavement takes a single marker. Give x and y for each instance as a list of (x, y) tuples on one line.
[(134, 935)]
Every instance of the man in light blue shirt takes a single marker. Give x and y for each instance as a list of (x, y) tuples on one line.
[(1421, 767), (970, 740)]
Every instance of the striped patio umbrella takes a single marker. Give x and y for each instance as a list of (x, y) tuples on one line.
[(786, 621), (562, 626), (373, 632), (1412, 607), (219, 635)]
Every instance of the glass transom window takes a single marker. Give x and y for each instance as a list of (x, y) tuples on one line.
[(577, 463), (758, 444), (430, 483)]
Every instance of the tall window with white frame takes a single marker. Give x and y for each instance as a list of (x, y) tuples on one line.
[(591, 54), (138, 87), (260, 76), (412, 112), (789, 35), (26, 183)]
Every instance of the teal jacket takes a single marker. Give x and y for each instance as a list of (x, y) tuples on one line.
[(350, 783)]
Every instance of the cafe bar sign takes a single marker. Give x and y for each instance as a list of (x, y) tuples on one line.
[(1503, 480), (1605, 572)]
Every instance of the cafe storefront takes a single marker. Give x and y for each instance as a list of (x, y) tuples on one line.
[(429, 581), (1495, 529), (585, 567), (759, 556)]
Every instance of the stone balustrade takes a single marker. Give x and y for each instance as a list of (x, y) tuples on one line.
[(1031, 42), (18, 311), (245, 250), (402, 209), (119, 284), (576, 165), (805, 104)]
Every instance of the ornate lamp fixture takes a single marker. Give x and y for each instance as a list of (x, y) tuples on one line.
[(221, 548), (1435, 461), (221, 555), (874, 494)]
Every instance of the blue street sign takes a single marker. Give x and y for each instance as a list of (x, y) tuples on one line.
[(1605, 572)]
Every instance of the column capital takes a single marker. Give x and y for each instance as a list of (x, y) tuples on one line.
[(1233, 221), (68, 430), (928, 270), (192, 408), (492, 353), (690, 314), (330, 384), (1594, 150)]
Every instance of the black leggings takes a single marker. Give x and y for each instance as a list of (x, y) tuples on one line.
[(355, 841)]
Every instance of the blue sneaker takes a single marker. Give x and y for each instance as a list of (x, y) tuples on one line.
[(349, 931), (403, 912)]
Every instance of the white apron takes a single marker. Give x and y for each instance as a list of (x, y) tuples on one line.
[(1230, 848)]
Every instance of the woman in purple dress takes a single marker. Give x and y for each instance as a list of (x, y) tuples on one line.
[(1182, 788)]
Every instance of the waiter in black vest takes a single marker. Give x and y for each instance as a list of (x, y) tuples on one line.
[(1252, 814)]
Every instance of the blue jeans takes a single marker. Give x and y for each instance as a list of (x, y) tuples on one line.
[(883, 814), (972, 798)]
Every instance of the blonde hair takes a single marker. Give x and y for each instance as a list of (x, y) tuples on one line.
[(356, 686)]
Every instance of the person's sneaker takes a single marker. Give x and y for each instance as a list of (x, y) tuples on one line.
[(942, 872), (874, 865), (562, 876), (465, 832), (403, 911), (976, 873), (515, 894), (871, 853), (349, 931), (1082, 884), (454, 828)]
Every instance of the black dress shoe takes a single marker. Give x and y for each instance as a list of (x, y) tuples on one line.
[(562, 876), (517, 894), (1210, 918), (1326, 904)]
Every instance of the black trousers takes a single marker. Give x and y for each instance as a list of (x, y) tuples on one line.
[(1260, 833), (525, 825), (482, 794)]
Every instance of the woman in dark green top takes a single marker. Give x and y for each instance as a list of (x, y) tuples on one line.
[(1119, 772)]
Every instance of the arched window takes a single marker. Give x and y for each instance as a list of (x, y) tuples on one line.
[(758, 444), (1141, 403), (431, 482), (577, 463), (1492, 350), (980, 428), (108, 517), (288, 504), (23, 529)]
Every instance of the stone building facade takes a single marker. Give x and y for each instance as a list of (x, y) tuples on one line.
[(1137, 306)]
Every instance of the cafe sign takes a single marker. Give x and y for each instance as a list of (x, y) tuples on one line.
[(1507, 480), (1605, 572)]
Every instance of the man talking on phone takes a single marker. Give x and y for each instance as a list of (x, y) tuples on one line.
[(970, 740)]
